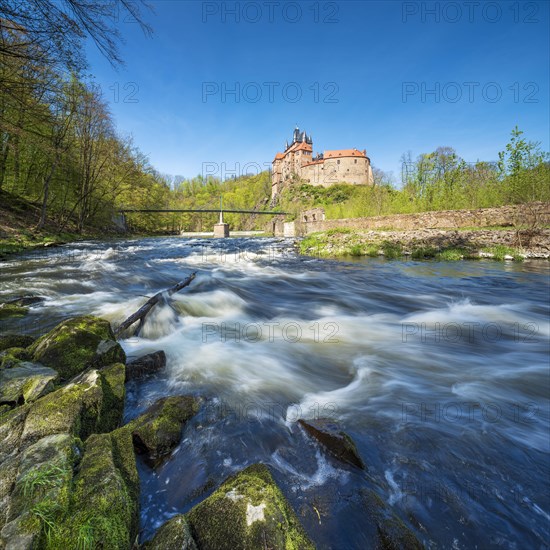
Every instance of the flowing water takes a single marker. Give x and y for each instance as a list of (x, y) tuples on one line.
[(439, 371)]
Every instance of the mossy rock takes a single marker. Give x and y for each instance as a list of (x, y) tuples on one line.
[(104, 505), (76, 344), (172, 535), (336, 441), (393, 534), (11, 357), (158, 430), (91, 403), (248, 512), (41, 491), (12, 310), (145, 365), (25, 382), (15, 341)]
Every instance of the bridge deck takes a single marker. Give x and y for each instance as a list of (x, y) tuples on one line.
[(211, 211)]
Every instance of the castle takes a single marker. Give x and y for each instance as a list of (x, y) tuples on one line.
[(326, 169)]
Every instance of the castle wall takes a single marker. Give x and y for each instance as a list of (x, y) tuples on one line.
[(354, 170)]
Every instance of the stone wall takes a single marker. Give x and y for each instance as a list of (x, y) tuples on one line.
[(535, 214)]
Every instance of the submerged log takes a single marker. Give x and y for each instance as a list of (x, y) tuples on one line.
[(142, 312)]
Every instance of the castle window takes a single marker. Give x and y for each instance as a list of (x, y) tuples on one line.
[(355, 161), (338, 161)]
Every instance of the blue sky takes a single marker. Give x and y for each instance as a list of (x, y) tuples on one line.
[(387, 77)]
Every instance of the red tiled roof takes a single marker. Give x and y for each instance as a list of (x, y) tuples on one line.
[(279, 156), (344, 153)]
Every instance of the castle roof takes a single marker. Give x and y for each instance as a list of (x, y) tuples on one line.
[(344, 153), (279, 156), (302, 146)]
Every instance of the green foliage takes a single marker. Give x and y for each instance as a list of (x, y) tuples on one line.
[(501, 252), (423, 253), (391, 250), (452, 254), (356, 250), (43, 478)]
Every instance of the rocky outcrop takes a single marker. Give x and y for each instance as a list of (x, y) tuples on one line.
[(92, 402), (103, 511), (12, 310), (15, 341), (76, 344), (158, 430), (145, 365), (25, 382), (336, 441), (172, 535), (247, 511)]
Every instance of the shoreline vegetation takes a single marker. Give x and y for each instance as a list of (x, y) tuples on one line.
[(500, 244)]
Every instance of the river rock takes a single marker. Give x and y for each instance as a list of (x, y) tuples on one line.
[(392, 533), (76, 344), (12, 310), (13, 356), (27, 300), (104, 506), (158, 430), (247, 511), (15, 341), (25, 382), (92, 402), (43, 475), (336, 441), (148, 364), (172, 535)]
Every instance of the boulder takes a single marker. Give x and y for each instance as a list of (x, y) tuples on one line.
[(15, 341), (148, 364), (76, 344), (91, 403), (13, 356), (172, 535), (336, 441), (40, 493), (25, 382), (247, 511), (392, 533), (158, 430), (104, 505), (12, 310), (27, 300)]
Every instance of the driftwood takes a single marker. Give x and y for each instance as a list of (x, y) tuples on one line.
[(141, 313)]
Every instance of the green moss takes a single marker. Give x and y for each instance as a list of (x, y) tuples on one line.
[(356, 250), (91, 403), (103, 510), (73, 345), (248, 511), (15, 341), (11, 310), (158, 430), (175, 534)]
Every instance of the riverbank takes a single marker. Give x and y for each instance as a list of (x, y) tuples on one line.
[(443, 244)]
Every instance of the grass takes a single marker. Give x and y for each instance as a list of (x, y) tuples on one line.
[(424, 253), (453, 254), (47, 512), (500, 252), (339, 231), (391, 250), (42, 479)]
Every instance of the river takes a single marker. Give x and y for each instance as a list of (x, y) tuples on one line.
[(439, 371)]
